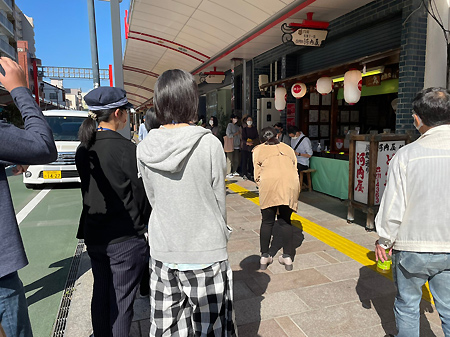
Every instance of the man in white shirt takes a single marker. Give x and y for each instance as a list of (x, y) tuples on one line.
[(413, 221), (302, 148)]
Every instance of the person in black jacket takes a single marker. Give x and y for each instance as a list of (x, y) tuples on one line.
[(115, 211)]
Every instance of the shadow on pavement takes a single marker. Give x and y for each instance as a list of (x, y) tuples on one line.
[(378, 292), (52, 283), (250, 284), (332, 205), (277, 239)]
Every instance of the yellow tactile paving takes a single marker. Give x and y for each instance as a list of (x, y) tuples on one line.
[(356, 252)]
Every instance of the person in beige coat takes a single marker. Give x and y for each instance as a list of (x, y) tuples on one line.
[(275, 166)]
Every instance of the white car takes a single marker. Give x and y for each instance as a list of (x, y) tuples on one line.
[(65, 125)]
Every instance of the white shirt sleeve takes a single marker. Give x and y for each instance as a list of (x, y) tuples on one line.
[(393, 203)]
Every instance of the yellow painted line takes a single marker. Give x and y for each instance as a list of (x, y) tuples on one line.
[(356, 252)]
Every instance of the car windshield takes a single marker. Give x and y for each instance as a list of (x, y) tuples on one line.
[(65, 128)]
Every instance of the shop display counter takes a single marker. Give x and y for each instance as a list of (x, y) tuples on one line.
[(331, 176)]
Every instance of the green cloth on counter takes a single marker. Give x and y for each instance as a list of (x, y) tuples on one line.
[(331, 176)]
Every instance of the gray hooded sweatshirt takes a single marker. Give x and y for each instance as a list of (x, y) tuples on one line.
[(183, 170)]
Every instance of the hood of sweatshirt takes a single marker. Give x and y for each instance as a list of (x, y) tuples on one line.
[(167, 149)]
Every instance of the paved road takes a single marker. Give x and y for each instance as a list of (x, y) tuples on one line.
[(48, 232)]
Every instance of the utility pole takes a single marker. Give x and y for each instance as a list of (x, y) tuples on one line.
[(94, 50), (117, 54)]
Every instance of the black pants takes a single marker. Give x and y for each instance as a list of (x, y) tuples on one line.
[(301, 167), (117, 270), (284, 220), (247, 163)]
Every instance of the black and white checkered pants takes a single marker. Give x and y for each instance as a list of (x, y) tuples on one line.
[(191, 303)]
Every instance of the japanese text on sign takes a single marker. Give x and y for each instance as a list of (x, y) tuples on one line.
[(386, 151), (309, 37)]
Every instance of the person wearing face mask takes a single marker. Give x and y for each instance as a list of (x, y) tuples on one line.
[(413, 220), (250, 138), (302, 148), (233, 131), (281, 136), (213, 125)]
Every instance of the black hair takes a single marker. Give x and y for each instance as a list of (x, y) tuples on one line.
[(176, 97), (293, 129), (86, 133), (279, 125), (432, 105), (269, 135), (215, 121), (151, 121), (233, 116)]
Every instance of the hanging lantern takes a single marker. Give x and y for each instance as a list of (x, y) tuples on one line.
[(352, 86), (280, 98), (298, 90), (324, 85)]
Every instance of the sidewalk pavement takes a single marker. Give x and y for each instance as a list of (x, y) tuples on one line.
[(327, 293)]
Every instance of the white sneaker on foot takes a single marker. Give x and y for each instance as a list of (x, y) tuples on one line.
[(286, 261), (229, 176), (235, 174), (264, 262)]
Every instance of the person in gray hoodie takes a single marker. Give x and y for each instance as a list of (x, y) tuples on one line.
[(182, 166)]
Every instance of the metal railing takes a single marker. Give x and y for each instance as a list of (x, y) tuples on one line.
[(8, 49), (8, 4), (6, 23)]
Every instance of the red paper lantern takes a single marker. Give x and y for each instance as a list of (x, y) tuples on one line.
[(280, 98), (298, 90), (324, 85), (352, 86)]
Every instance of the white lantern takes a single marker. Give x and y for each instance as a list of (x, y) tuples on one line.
[(324, 85), (352, 86), (280, 98), (298, 90)]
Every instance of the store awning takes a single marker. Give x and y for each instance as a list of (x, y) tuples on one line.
[(197, 35)]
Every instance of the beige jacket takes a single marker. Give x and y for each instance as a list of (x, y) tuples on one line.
[(276, 175)]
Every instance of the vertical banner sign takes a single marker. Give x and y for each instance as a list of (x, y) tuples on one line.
[(386, 151), (290, 114), (361, 171)]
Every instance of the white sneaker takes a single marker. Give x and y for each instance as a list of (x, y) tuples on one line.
[(286, 261), (235, 174), (229, 176), (264, 262)]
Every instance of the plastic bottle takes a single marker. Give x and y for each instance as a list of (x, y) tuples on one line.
[(319, 148), (384, 267)]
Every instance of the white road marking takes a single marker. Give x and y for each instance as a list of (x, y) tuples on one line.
[(31, 205)]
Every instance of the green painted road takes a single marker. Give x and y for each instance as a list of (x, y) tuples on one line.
[(48, 233)]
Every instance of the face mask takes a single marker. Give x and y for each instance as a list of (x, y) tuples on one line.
[(249, 123), (234, 120), (420, 124), (211, 123)]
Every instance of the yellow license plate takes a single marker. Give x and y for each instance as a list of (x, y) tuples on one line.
[(51, 174)]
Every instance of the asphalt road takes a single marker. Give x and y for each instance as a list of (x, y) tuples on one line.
[(48, 230)]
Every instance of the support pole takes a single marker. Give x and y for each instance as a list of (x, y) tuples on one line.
[(117, 55), (93, 37)]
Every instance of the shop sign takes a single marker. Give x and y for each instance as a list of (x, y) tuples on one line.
[(372, 81), (309, 37), (361, 171), (290, 114), (386, 151)]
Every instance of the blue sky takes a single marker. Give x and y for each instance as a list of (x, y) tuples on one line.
[(61, 29)]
